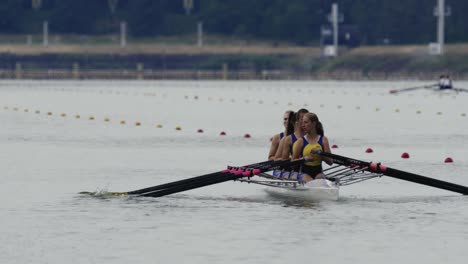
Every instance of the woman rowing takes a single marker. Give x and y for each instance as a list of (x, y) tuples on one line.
[(286, 147), (307, 146), (286, 144), (288, 129)]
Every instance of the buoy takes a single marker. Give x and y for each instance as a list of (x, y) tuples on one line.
[(369, 150), (405, 155), (222, 133), (37, 111), (178, 128), (63, 114), (106, 119), (334, 146), (448, 160), (418, 112), (397, 110), (159, 126), (49, 113), (91, 118), (247, 135), (137, 124), (200, 130), (26, 110), (122, 122)]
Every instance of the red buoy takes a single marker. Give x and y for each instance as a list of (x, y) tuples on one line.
[(222, 133), (448, 160), (369, 150), (334, 146), (405, 155), (200, 130), (247, 135)]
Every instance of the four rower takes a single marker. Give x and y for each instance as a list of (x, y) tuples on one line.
[(307, 139), (445, 82)]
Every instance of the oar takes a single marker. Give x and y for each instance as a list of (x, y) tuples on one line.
[(402, 175), (226, 176), (460, 90), (185, 181), (413, 88)]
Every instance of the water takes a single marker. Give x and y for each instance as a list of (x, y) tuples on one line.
[(46, 160)]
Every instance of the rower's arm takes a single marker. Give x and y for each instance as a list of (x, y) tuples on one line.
[(274, 146), (297, 148), (326, 148)]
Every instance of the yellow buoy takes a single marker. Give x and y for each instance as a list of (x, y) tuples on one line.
[(137, 124), (77, 116), (49, 113), (159, 126), (91, 118), (178, 128), (26, 110), (106, 119), (63, 115), (122, 122)]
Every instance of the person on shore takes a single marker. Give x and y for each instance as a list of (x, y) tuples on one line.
[(288, 129), (307, 146)]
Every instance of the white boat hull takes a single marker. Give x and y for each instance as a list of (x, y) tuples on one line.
[(313, 191)]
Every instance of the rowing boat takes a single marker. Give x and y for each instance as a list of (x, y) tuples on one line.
[(313, 191), (346, 171)]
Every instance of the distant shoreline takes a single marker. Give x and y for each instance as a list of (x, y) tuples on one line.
[(183, 61)]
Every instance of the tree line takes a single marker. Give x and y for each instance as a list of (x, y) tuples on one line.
[(296, 21)]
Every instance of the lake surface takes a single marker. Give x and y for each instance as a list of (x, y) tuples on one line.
[(49, 155)]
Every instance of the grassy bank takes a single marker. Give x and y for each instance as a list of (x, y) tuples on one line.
[(256, 58)]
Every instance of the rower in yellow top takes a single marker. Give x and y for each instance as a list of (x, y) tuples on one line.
[(307, 146)]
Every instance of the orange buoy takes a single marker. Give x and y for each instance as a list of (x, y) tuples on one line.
[(405, 155)]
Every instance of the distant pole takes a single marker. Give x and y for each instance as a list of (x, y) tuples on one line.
[(441, 25), (200, 34), (335, 26), (441, 11), (45, 33), (123, 34), (188, 5)]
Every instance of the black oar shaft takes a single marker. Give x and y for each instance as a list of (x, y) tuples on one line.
[(185, 181), (213, 179), (402, 175)]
